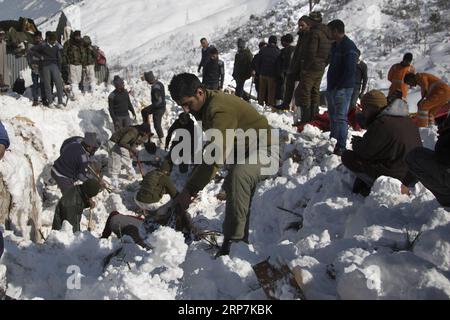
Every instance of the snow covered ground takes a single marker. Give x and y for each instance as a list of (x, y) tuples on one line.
[(348, 247)]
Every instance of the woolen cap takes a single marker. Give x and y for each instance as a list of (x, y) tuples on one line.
[(375, 99)]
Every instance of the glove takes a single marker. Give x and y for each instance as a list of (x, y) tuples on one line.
[(184, 199), (133, 152), (355, 139)]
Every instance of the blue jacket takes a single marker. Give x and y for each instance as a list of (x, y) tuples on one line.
[(4, 139), (73, 162), (47, 54), (343, 60)]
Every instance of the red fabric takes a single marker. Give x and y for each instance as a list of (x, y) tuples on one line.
[(322, 121), (101, 58)]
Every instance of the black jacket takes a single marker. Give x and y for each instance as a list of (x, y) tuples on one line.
[(267, 61), (177, 125), (361, 76), (255, 63), (284, 60), (119, 104), (214, 73), (442, 148), (73, 162), (206, 54), (158, 96)]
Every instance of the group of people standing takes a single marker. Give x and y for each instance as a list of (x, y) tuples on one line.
[(67, 65)]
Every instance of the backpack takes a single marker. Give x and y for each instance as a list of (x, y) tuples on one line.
[(101, 58)]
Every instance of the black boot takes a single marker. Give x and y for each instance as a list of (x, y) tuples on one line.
[(225, 250), (306, 114), (360, 187), (314, 112)]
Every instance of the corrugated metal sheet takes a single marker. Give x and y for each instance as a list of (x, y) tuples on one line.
[(16, 65), (102, 73)]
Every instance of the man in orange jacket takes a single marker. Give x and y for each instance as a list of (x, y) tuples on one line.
[(398, 72), (435, 95)]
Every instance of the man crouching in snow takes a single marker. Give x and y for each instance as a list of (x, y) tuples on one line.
[(390, 136), (123, 225), (73, 202), (224, 113), (123, 143)]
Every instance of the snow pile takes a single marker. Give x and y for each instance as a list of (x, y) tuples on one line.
[(20, 171), (346, 246), (71, 266)]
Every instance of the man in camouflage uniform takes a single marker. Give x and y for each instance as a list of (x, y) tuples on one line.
[(242, 67), (123, 143), (155, 185), (315, 56), (73, 56), (89, 58)]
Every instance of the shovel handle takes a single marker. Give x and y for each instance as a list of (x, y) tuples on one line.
[(90, 220)]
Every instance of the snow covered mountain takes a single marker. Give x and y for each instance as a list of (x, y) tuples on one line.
[(148, 31), (39, 10), (386, 246)]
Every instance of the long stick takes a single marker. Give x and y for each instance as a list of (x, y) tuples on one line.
[(107, 187), (90, 220), (140, 166), (291, 212), (251, 89)]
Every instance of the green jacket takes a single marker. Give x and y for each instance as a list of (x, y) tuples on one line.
[(243, 65), (222, 111), (127, 138), (154, 186), (89, 56), (298, 59), (73, 53), (70, 208), (317, 50)]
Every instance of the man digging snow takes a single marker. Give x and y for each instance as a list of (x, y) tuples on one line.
[(224, 113)]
